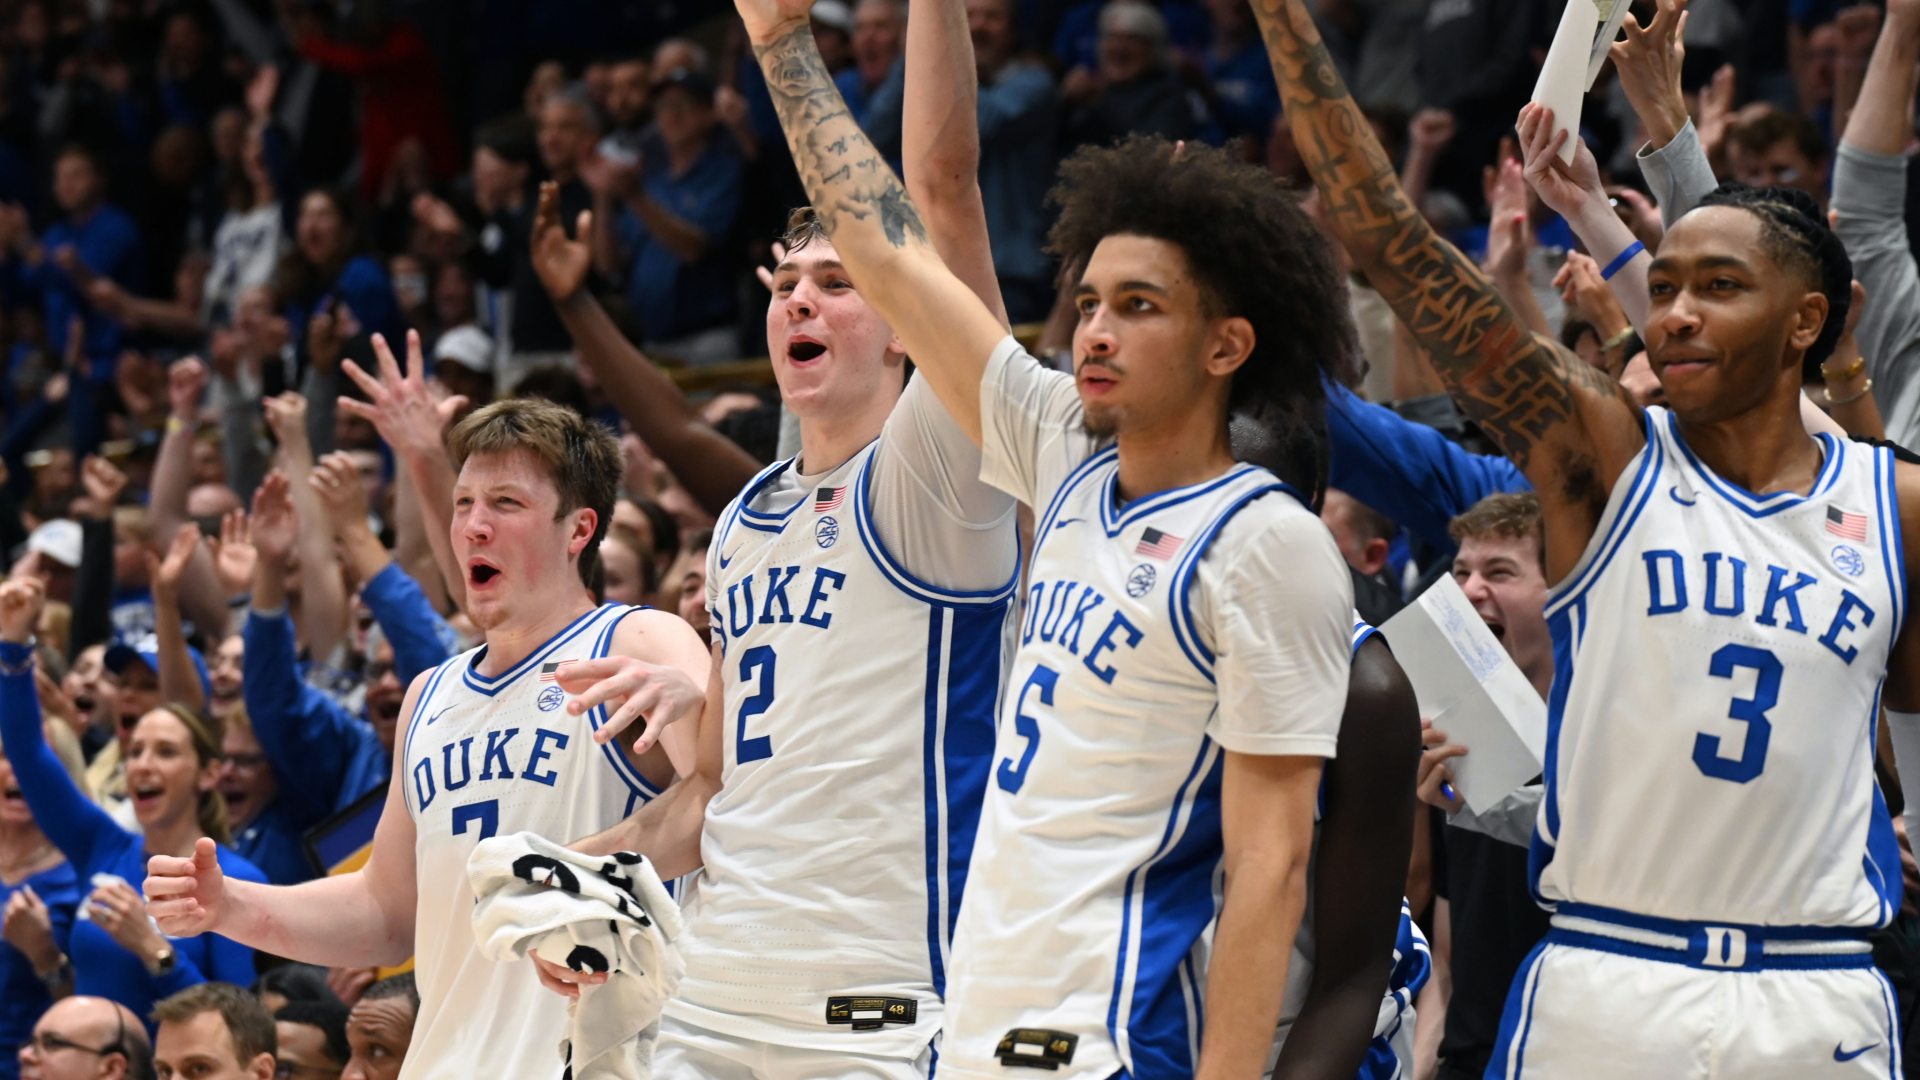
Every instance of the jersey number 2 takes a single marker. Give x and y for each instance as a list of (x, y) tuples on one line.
[(1011, 776), (745, 749), (1752, 711)]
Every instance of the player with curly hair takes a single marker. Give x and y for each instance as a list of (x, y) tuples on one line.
[(1183, 664)]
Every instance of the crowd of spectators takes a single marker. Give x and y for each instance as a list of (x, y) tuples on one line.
[(254, 258)]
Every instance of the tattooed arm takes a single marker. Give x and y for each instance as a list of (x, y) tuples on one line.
[(875, 226), (1569, 428)]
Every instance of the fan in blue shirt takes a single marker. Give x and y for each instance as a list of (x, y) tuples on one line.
[(38, 892), (173, 765)]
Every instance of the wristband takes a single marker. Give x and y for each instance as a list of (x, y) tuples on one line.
[(1621, 260), (1859, 365), (60, 976), (1616, 340), (175, 426), (1864, 391), (16, 657)]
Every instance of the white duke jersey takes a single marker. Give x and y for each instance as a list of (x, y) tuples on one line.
[(1157, 636), (858, 739), (485, 757), (1718, 658)]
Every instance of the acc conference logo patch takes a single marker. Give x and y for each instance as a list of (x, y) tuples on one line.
[(1848, 560), (826, 531), (1140, 580), (550, 699)]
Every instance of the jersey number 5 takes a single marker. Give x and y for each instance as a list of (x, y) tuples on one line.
[(1753, 711), (745, 749), (1011, 776)]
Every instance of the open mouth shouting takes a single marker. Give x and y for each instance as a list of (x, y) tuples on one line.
[(481, 573), (145, 794), (802, 350)]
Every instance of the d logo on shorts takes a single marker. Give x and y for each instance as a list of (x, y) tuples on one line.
[(1726, 947)]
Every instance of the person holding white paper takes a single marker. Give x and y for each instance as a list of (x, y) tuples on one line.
[(1727, 619)]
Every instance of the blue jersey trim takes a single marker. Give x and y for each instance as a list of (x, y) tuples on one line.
[(1115, 518), (1080, 472), (419, 709), (1892, 553), (1759, 506), (1516, 1019), (1174, 887), (1645, 481), (931, 763), (1179, 593), (898, 575), (639, 786), (491, 686)]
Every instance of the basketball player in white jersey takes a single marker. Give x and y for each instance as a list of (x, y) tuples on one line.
[(1183, 658), (1727, 622), (491, 744), (861, 593)]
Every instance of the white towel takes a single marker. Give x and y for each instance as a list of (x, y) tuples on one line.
[(589, 913)]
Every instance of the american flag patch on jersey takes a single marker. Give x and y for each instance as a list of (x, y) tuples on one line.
[(551, 672), (1158, 545), (1847, 526), (829, 499)]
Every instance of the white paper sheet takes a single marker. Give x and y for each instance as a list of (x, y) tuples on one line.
[(1473, 690), (1563, 78), (1612, 14)]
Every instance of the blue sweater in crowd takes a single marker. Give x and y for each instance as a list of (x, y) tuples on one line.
[(324, 757), (22, 996), (1408, 471), (100, 850)]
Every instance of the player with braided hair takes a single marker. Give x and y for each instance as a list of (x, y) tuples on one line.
[(1727, 620)]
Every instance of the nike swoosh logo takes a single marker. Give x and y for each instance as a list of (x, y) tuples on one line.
[(1066, 521), (1674, 491), (1849, 1055), (438, 715), (726, 559)]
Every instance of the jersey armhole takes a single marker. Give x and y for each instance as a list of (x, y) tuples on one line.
[(638, 786)]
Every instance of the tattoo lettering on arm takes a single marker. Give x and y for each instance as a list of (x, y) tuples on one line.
[(1525, 391), (844, 175)]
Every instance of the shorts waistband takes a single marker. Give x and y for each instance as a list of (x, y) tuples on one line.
[(1710, 946)]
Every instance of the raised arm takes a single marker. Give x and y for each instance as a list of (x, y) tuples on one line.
[(323, 595), (1869, 203), (414, 424), (940, 143), (179, 679), (1570, 428), (713, 467), (875, 225)]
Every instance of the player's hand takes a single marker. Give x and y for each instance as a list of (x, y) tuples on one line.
[(1435, 750), (564, 980), (660, 693), (561, 263), (1588, 296), (186, 896), (1570, 190), (21, 601)]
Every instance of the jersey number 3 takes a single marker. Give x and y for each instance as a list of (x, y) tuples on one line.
[(1752, 711)]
